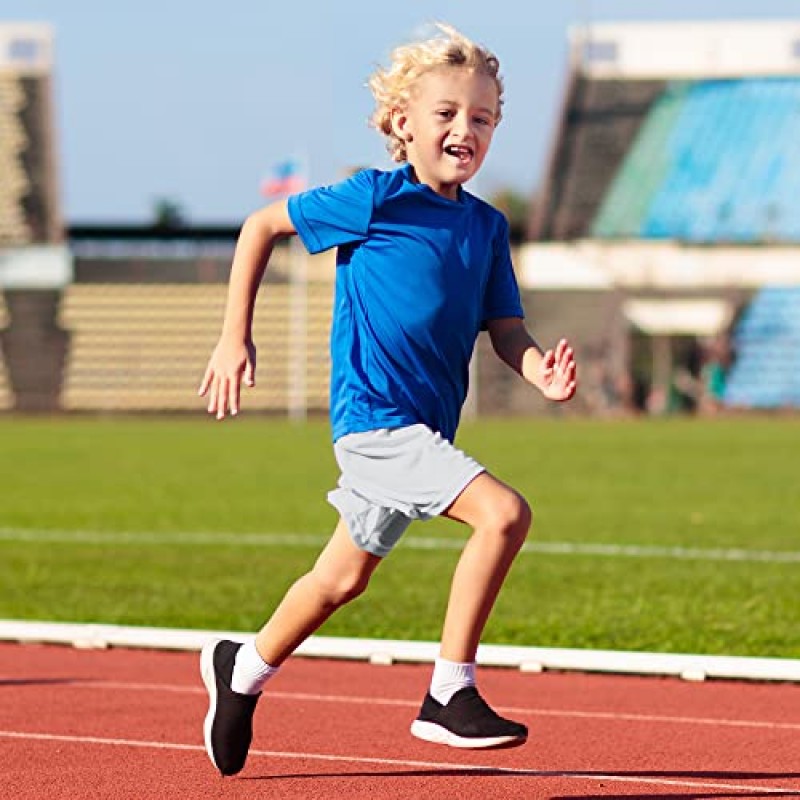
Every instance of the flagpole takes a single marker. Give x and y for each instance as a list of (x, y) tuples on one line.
[(298, 315), (286, 178), (298, 329)]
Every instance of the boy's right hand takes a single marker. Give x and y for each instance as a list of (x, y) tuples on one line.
[(229, 364)]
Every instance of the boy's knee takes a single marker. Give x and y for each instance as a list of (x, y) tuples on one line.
[(336, 590), (512, 517)]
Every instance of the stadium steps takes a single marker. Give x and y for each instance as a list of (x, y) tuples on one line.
[(34, 348), (145, 346), (766, 372), (626, 204), (600, 122), (6, 392)]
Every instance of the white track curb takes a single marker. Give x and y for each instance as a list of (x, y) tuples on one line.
[(388, 651)]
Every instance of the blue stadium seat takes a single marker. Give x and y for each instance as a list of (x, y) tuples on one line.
[(766, 372), (728, 168)]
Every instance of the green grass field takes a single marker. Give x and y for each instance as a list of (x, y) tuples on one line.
[(166, 522)]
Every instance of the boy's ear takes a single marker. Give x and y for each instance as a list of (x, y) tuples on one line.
[(399, 120)]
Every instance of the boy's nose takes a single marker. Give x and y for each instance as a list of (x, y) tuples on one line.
[(461, 126)]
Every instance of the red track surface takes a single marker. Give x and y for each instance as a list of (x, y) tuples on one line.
[(128, 724)]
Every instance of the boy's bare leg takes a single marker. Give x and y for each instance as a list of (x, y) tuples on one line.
[(500, 519), (340, 574), (453, 712), (234, 674)]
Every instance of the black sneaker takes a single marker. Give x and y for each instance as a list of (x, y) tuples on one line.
[(228, 728), (466, 721)]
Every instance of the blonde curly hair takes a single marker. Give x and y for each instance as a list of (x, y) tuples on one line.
[(392, 87)]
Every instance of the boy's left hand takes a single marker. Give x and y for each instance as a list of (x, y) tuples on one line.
[(557, 373)]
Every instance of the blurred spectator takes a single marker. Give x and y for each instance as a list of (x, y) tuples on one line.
[(717, 359), (607, 392)]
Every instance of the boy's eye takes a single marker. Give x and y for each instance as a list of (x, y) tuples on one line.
[(445, 113)]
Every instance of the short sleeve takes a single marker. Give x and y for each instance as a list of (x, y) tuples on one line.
[(329, 216), (501, 298)]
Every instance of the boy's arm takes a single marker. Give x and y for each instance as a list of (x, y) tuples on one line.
[(552, 372), (234, 357)]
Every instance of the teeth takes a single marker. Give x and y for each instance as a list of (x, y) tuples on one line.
[(459, 152)]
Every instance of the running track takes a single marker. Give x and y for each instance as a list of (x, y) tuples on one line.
[(125, 724)]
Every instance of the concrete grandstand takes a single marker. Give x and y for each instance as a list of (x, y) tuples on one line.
[(667, 222), (673, 185)]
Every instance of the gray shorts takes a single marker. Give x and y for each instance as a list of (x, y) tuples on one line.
[(392, 476)]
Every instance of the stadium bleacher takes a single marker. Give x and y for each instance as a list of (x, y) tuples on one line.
[(15, 187), (766, 370), (145, 346), (29, 211), (675, 176), (715, 161)]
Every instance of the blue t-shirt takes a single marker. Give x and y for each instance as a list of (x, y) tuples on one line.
[(417, 277)]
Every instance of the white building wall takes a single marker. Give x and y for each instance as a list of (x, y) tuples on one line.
[(687, 49)]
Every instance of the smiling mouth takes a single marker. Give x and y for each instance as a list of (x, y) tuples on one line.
[(463, 154)]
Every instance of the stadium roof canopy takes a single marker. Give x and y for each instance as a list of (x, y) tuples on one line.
[(676, 317), (668, 50), (26, 48)]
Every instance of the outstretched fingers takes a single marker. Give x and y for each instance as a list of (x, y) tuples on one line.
[(250, 372), (216, 400), (234, 388), (222, 382), (224, 397), (206, 382), (564, 371), (222, 393), (548, 366)]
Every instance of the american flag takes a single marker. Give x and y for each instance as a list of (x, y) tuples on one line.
[(285, 178)]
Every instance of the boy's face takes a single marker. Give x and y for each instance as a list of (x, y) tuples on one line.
[(448, 126)]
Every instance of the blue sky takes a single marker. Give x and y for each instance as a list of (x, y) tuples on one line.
[(195, 100)]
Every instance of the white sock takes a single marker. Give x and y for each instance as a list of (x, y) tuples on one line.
[(250, 671), (449, 677)]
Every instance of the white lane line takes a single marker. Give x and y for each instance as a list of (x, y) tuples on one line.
[(610, 550), (378, 701), (408, 763)]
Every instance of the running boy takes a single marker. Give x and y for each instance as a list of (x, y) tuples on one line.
[(422, 267)]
